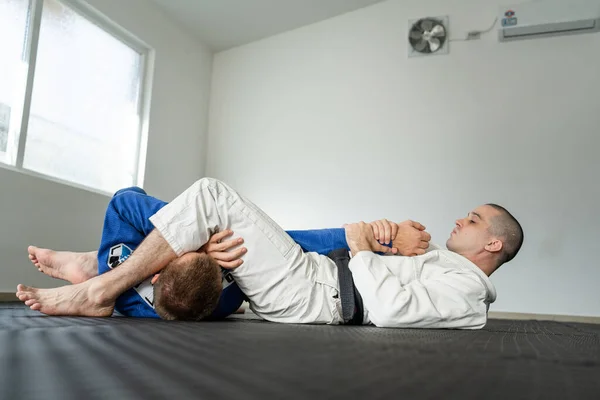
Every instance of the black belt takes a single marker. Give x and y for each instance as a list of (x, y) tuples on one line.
[(352, 305)]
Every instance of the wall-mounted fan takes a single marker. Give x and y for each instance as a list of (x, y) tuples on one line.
[(428, 36)]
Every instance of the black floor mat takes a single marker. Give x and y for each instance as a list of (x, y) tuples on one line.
[(120, 358)]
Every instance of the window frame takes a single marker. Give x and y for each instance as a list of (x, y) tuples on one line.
[(147, 58)]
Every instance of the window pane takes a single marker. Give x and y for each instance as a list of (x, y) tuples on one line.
[(13, 23), (84, 122)]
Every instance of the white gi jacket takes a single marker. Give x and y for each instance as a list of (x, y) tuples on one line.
[(440, 289)]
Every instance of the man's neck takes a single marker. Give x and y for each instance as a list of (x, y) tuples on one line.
[(483, 262)]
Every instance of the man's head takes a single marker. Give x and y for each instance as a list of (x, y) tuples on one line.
[(188, 288), (487, 233)]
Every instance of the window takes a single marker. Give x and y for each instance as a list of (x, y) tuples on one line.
[(70, 95), (13, 26)]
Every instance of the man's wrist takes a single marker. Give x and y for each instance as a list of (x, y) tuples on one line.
[(359, 247), (365, 247)]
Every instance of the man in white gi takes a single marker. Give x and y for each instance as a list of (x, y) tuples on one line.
[(440, 289)]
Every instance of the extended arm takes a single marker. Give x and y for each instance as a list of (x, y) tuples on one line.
[(322, 241)]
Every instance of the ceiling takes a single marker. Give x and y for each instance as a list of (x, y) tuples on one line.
[(222, 24)]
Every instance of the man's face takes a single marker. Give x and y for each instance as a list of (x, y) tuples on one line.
[(471, 233)]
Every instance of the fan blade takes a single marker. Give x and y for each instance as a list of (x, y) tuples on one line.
[(434, 44), (416, 35), (438, 31), (426, 25), (421, 46)]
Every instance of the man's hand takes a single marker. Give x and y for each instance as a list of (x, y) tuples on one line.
[(360, 238), (219, 250), (411, 239), (384, 231)]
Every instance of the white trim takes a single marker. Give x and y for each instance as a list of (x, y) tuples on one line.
[(144, 103), (33, 36), (55, 179), (106, 24)]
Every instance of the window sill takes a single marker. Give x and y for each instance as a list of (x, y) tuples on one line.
[(54, 180)]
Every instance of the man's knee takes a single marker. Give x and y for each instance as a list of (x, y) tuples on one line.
[(133, 189), (124, 198), (204, 182), (212, 184), (209, 188)]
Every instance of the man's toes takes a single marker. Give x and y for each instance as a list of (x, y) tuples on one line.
[(24, 296), (23, 288), (30, 302), (31, 250), (36, 307), (25, 292)]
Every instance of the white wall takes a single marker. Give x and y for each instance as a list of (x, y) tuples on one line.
[(333, 123), (35, 211)]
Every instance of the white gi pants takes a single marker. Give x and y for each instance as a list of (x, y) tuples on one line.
[(283, 283)]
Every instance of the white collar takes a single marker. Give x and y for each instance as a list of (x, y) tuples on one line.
[(491, 290)]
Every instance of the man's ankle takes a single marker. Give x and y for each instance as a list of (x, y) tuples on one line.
[(100, 294)]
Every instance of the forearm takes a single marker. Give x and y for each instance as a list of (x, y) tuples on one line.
[(321, 241), (152, 255)]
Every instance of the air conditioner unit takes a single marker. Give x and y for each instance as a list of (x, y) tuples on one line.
[(544, 18)]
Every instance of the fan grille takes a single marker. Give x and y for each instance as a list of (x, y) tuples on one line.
[(427, 35)]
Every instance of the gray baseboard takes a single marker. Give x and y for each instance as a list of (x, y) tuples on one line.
[(10, 297), (7, 297), (544, 317)]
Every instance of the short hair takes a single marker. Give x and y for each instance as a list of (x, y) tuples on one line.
[(188, 289), (509, 229)]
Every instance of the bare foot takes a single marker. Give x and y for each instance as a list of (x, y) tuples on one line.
[(65, 265), (77, 300)]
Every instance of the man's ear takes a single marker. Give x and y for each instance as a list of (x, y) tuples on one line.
[(494, 246)]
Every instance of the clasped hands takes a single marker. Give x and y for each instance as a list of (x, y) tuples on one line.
[(407, 238)]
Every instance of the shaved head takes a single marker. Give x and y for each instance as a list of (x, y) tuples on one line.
[(506, 228)]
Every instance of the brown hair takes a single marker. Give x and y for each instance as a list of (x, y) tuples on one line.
[(188, 288)]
